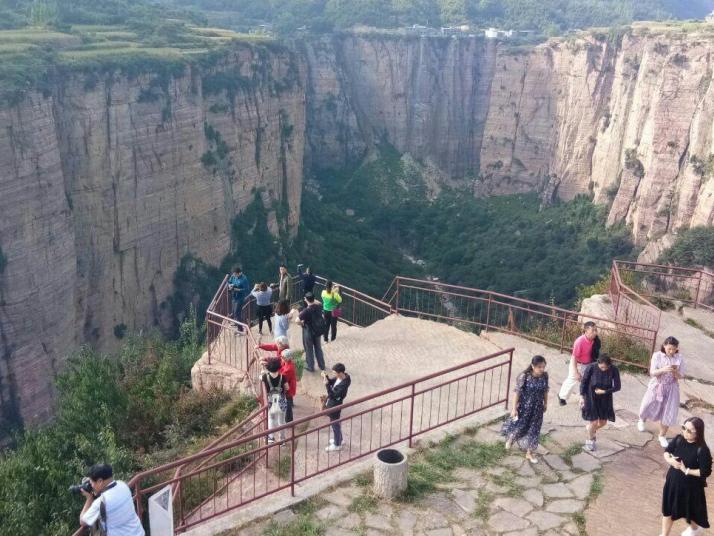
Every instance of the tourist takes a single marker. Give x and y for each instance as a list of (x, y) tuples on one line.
[(585, 351), (530, 402), (276, 388), (690, 464), (336, 393), (308, 279), (661, 401), (239, 286), (109, 504), (287, 369), (284, 284), (283, 316), (331, 301), (279, 346), (263, 296), (314, 325), (600, 380)]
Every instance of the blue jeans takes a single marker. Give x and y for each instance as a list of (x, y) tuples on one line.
[(336, 428), (237, 309)]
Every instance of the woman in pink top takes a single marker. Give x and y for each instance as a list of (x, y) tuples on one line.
[(661, 401)]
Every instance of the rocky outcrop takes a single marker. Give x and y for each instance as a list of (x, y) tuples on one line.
[(625, 118), (109, 181)]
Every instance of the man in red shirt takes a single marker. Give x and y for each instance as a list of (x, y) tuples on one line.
[(582, 356)]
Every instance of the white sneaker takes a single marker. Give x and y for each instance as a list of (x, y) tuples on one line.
[(589, 445), (687, 532), (331, 447), (663, 442), (641, 425)]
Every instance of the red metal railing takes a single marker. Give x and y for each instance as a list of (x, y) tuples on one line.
[(235, 473), (479, 309), (230, 342), (358, 308), (689, 285), (630, 306)]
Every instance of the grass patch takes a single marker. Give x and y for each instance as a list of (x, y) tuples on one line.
[(302, 526), (695, 324), (283, 467), (363, 503), (507, 480), (572, 450), (596, 486), (309, 506), (434, 465), (579, 520), (364, 479), (483, 502)]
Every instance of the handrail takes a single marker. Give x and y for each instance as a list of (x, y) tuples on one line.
[(315, 416), (366, 298), (689, 285), (640, 297), (520, 300)]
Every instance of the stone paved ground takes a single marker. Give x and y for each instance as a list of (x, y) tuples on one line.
[(506, 496)]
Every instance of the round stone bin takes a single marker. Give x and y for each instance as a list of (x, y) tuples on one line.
[(390, 473)]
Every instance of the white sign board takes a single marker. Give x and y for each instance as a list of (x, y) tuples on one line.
[(161, 513)]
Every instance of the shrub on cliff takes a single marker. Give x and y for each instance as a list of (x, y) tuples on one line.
[(125, 409), (693, 247)]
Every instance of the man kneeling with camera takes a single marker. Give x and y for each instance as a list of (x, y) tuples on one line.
[(109, 508)]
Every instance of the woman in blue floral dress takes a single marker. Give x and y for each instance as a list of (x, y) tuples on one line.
[(530, 402)]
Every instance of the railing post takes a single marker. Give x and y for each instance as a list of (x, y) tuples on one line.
[(488, 311), (411, 415), (292, 461), (396, 299), (562, 337), (208, 335), (508, 385), (699, 287)]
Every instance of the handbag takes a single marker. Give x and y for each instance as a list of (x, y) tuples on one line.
[(337, 312)]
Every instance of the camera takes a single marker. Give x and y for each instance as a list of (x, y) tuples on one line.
[(86, 485)]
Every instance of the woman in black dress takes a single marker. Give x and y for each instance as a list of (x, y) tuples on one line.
[(600, 380), (529, 404), (690, 464)]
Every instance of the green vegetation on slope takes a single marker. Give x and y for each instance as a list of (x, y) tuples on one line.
[(366, 226), (551, 16), (98, 38), (693, 247), (508, 244), (133, 410)]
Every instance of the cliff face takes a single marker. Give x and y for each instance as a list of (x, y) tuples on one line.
[(109, 181), (628, 119), (106, 184)]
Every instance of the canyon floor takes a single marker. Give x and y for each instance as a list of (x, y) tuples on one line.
[(570, 492)]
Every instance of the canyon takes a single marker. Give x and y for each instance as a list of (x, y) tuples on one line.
[(110, 179)]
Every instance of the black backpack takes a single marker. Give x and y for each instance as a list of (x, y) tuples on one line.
[(317, 324)]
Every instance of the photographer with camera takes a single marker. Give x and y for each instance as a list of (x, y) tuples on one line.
[(109, 505)]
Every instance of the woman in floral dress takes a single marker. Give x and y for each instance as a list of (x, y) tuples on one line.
[(530, 402), (661, 401)]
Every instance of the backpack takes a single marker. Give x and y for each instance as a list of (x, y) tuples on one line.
[(317, 324), (276, 396)]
